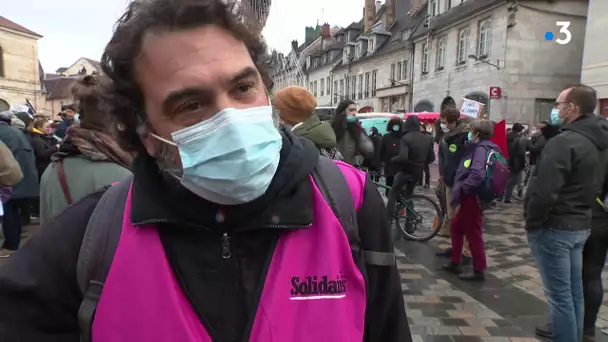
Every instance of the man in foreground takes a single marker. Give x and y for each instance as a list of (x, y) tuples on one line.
[(223, 232), (558, 204)]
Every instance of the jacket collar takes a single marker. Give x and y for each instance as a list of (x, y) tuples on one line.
[(158, 198)]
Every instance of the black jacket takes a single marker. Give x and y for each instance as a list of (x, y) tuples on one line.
[(39, 283), (43, 150), (452, 150), (415, 149), (568, 176), (535, 147), (516, 146), (388, 149)]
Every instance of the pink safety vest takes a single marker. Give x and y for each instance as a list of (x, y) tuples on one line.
[(313, 291)]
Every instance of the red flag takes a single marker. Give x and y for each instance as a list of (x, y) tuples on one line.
[(500, 137)]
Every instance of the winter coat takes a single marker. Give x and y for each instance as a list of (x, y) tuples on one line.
[(471, 172), (83, 177), (317, 131), (416, 149), (389, 148), (452, 150), (42, 150), (18, 144)]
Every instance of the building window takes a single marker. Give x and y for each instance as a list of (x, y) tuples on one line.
[(1, 62), (342, 88), (367, 85), (485, 34), (404, 70), (463, 42), (345, 56), (370, 44), (335, 91), (310, 89), (433, 8), (315, 89), (374, 80), (353, 94), (425, 59), (328, 82), (322, 86), (315, 62), (358, 51), (360, 95), (398, 72), (441, 46), (347, 86), (392, 72), (448, 4)]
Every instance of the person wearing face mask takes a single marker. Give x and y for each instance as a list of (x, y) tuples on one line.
[(516, 145), (373, 163), (415, 150), (558, 206), (232, 228), (69, 117), (468, 215), (389, 148), (352, 142), (454, 132)]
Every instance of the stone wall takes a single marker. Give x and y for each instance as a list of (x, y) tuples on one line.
[(532, 71), (595, 56), (21, 76)]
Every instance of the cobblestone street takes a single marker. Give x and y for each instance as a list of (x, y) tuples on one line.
[(506, 307)]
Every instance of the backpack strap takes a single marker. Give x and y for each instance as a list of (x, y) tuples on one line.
[(342, 187), (97, 252)]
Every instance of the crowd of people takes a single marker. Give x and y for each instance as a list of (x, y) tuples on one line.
[(181, 200)]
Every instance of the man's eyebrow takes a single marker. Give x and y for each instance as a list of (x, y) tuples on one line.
[(243, 74), (178, 95)]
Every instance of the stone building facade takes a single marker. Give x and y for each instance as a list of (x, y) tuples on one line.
[(489, 43), (19, 68), (595, 57)]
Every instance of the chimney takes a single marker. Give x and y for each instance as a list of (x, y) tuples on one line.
[(325, 30), (390, 13), (294, 44), (370, 15)]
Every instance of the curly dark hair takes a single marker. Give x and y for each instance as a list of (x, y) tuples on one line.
[(141, 17)]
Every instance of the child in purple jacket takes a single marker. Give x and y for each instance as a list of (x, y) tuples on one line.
[(468, 213)]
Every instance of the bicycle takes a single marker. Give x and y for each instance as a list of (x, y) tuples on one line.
[(406, 215)]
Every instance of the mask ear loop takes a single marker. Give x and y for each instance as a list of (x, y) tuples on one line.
[(141, 129)]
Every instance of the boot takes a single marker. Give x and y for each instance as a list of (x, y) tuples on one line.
[(452, 268), (474, 276)]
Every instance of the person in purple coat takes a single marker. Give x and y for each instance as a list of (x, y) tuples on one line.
[(468, 212)]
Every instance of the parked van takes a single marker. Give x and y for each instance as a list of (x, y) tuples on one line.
[(325, 113)]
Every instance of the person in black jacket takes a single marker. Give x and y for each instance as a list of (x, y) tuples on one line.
[(558, 205), (415, 151), (373, 162), (516, 145), (218, 240), (389, 148), (42, 143)]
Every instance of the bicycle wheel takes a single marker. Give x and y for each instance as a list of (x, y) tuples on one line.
[(418, 218)]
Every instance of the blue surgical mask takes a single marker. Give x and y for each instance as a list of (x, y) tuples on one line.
[(76, 117), (396, 128), (554, 118), (351, 119), (230, 158), (444, 127), (469, 136)]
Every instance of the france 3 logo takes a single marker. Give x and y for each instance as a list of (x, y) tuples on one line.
[(564, 32)]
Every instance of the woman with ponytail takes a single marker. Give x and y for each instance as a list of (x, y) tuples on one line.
[(89, 157)]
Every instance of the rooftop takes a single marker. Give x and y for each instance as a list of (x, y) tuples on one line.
[(16, 27)]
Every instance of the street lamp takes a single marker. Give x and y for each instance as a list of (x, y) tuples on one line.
[(476, 58)]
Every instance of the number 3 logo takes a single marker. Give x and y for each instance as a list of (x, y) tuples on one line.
[(564, 29)]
